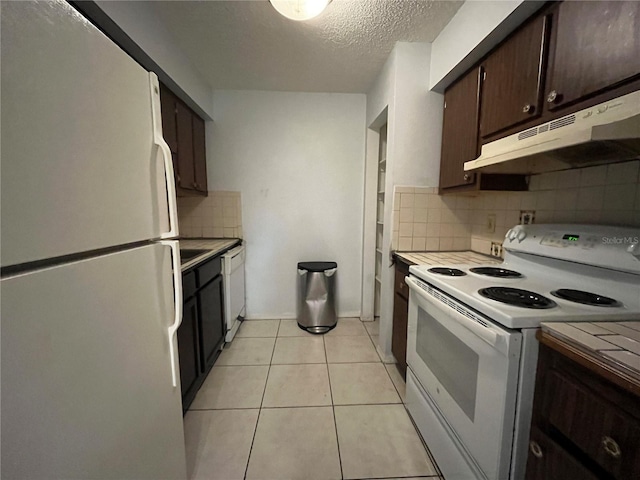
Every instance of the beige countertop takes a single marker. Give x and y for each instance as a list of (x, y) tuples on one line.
[(616, 343), (442, 258), (215, 246)]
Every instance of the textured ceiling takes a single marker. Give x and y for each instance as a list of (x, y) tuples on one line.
[(247, 45)]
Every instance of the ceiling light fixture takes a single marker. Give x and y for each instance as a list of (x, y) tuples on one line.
[(300, 10)]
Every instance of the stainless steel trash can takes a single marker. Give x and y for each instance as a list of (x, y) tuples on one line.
[(316, 296)]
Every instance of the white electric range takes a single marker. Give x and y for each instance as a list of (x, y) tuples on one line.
[(471, 346)]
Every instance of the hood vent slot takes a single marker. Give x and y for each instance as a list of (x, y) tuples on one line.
[(528, 133), (563, 122)]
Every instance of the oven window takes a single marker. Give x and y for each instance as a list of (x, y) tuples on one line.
[(454, 364)]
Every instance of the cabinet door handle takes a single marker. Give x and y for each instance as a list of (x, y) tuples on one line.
[(535, 449), (528, 108), (611, 447), (552, 97), (466, 177)]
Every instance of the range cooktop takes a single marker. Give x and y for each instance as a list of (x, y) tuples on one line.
[(541, 278)]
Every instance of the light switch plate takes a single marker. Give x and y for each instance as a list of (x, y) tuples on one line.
[(496, 249)]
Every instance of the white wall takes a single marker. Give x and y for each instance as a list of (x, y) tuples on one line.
[(418, 119), (298, 160), (414, 116), (139, 21), (475, 29)]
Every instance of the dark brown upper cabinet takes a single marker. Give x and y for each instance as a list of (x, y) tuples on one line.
[(186, 170), (596, 48), (567, 57), (199, 154), (460, 140), (460, 130), (513, 79), (168, 110), (183, 130)]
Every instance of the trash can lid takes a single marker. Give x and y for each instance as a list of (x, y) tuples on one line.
[(317, 266)]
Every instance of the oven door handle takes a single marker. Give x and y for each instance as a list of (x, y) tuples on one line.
[(485, 333)]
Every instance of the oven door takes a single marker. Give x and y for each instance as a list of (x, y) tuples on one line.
[(468, 366)]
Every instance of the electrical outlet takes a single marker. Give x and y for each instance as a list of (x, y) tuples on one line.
[(496, 249), (527, 217), (491, 223)]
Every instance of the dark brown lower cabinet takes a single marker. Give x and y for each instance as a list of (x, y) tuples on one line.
[(549, 461), (211, 321), (201, 333), (400, 317), (189, 349), (586, 418)]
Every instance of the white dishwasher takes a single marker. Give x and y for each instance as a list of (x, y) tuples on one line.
[(233, 285)]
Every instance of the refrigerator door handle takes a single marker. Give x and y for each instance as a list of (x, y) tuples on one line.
[(158, 139), (177, 293)]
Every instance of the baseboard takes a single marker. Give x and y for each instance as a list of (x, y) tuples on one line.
[(385, 358), (292, 316)]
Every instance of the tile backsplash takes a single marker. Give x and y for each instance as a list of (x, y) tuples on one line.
[(218, 215), (606, 194)]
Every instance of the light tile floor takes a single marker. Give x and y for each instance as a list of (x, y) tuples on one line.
[(283, 404)]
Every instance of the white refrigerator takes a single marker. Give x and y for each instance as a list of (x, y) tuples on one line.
[(90, 281)]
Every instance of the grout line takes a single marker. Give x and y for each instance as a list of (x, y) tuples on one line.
[(394, 383), (297, 407), (424, 444), (243, 365), (253, 439), (278, 329), (396, 477), (366, 404), (294, 406), (222, 409), (333, 408), (255, 431)]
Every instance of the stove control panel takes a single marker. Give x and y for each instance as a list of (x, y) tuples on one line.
[(565, 240), (604, 246)]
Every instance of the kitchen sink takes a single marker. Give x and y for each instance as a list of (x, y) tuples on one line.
[(188, 254)]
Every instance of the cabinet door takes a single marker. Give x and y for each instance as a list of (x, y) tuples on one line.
[(512, 86), (399, 335), (460, 130), (599, 428), (548, 461), (168, 112), (189, 351), (211, 321), (186, 174), (199, 154), (597, 45)]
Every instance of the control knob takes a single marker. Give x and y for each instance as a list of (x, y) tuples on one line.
[(521, 236), (508, 235)]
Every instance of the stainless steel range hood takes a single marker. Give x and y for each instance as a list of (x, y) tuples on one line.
[(602, 133)]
